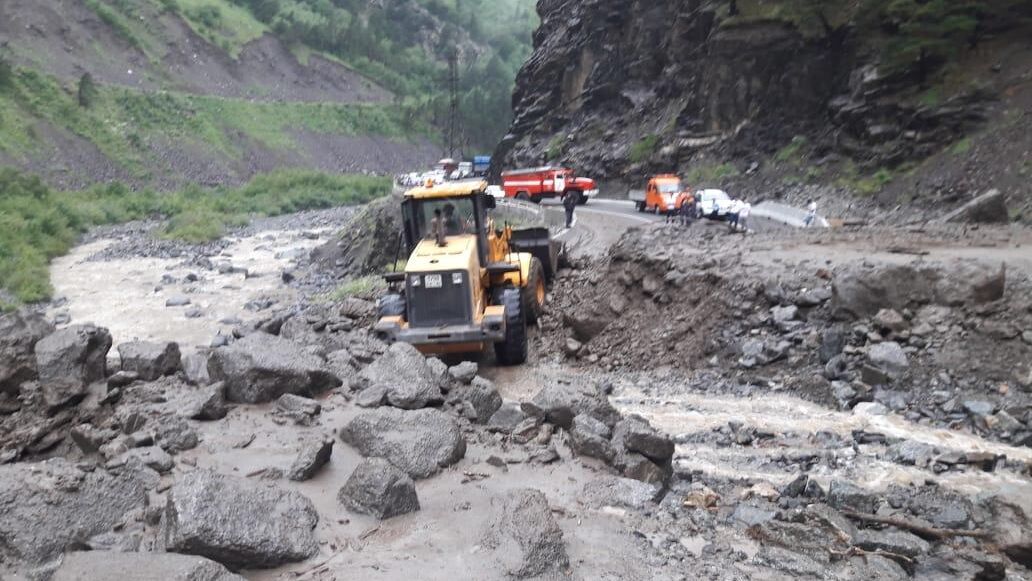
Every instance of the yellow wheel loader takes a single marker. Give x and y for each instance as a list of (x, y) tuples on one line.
[(469, 282)]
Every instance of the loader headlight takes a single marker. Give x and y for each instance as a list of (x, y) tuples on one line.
[(456, 278), (416, 280)]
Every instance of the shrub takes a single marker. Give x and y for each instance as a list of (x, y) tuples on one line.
[(208, 16), (644, 149), (87, 91), (6, 72)]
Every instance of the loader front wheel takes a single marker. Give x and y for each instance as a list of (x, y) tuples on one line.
[(513, 349), (534, 293)]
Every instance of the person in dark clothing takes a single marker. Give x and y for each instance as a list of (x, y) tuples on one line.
[(569, 204), (451, 222), (437, 228), (686, 208)]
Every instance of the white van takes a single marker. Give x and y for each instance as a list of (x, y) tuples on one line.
[(713, 204)]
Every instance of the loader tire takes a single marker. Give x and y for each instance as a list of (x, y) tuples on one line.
[(535, 292), (513, 349)]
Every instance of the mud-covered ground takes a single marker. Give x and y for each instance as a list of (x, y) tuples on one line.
[(848, 404)]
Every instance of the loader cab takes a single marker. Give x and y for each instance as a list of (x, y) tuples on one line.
[(464, 214)]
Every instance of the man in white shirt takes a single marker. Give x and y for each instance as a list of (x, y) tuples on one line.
[(811, 213), (733, 214), (743, 215)]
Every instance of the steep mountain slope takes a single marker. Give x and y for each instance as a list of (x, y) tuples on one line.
[(166, 92), (792, 98)]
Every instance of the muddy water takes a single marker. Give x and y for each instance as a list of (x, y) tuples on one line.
[(681, 413), (691, 413), (127, 296)]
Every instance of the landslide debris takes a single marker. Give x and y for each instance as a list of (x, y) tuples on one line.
[(839, 318), (907, 460)]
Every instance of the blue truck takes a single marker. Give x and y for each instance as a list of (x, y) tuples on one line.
[(481, 165)]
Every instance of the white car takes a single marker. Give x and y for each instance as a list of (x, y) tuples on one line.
[(714, 204)]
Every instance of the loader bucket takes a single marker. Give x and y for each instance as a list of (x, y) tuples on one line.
[(538, 242)]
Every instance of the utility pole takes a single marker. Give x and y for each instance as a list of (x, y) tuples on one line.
[(453, 132)]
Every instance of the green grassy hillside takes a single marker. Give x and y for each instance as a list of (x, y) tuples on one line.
[(38, 223), (121, 122)]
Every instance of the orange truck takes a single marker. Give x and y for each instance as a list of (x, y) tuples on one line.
[(662, 196)]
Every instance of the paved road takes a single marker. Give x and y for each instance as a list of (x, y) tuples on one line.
[(601, 222)]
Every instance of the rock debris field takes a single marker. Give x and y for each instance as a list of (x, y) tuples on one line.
[(842, 404)]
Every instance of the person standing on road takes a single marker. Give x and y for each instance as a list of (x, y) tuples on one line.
[(811, 213), (569, 204), (732, 215), (743, 216), (686, 207)]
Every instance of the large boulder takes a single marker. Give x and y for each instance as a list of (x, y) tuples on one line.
[(965, 282), (150, 360), (96, 565), (635, 434), (483, 398), (861, 291), (587, 323), (525, 537), (380, 489), (312, 456), (405, 376), (48, 506), (241, 524), (620, 492), (888, 357), (558, 403), (69, 360), (419, 442), (261, 367), (19, 333), (590, 437), (989, 208)]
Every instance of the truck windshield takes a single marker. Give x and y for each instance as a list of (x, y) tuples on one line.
[(671, 188), (457, 215)]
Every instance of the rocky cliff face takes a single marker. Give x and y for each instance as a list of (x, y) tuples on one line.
[(633, 69), (622, 88)]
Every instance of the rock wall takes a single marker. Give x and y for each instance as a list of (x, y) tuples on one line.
[(622, 88)]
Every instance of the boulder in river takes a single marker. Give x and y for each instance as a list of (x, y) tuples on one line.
[(150, 360), (241, 524), (419, 442), (46, 506), (89, 565), (406, 377), (19, 333), (261, 367), (69, 360), (558, 403), (525, 537), (380, 489)]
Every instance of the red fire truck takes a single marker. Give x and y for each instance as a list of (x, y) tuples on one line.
[(547, 182)]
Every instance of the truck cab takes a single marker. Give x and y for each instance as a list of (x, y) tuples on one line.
[(536, 184), (662, 195)]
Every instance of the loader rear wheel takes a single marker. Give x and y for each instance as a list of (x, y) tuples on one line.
[(534, 293), (513, 349)]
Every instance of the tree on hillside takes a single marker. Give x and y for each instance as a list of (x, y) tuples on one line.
[(87, 91), (930, 32)]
